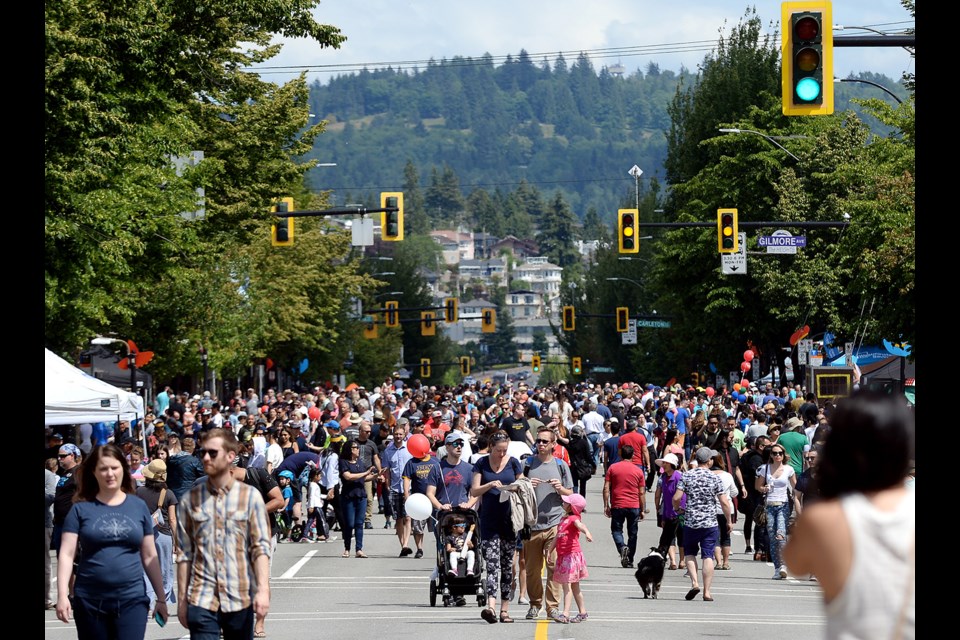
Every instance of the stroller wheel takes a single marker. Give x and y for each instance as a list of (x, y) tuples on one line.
[(433, 593)]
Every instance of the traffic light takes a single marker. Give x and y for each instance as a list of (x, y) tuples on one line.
[(393, 317), (569, 318), (728, 233), (577, 365), (427, 325), (370, 328), (488, 321), (623, 319), (450, 309), (424, 367), (464, 365), (391, 222), (628, 230), (535, 363), (807, 66), (281, 232)]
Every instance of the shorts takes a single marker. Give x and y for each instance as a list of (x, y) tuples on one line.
[(396, 502), (703, 540), (421, 526)]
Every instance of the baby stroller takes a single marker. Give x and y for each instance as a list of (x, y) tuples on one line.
[(457, 588)]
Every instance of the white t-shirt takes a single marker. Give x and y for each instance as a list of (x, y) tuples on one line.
[(778, 485), (729, 487)]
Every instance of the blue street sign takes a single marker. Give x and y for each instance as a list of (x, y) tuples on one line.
[(782, 241)]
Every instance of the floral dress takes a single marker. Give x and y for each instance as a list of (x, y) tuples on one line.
[(571, 566)]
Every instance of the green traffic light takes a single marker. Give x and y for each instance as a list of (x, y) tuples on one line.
[(808, 89)]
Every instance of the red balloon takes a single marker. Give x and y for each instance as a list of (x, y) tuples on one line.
[(418, 445), (748, 355), (745, 383), (710, 391), (744, 366), (314, 413)]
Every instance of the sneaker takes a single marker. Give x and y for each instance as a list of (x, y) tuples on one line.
[(749, 549), (533, 613), (454, 573), (783, 573), (624, 556), (777, 576), (387, 524), (405, 552), (368, 525), (470, 573), (418, 554)]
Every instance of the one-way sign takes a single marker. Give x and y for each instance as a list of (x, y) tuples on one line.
[(735, 263)]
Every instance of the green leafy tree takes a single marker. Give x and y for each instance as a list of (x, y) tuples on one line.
[(500, 345), (558, 233)]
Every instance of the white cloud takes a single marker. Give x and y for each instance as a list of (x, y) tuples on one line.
[(381, 31)]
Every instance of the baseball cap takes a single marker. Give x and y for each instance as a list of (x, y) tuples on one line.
[(332, 424), (454, 436), (576, 501), (704, 454)]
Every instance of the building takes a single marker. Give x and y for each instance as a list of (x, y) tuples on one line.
[(524, 304), (518, 248), (456, 245), (543, 278)]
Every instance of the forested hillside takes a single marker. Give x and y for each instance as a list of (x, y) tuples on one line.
[(465, 122)]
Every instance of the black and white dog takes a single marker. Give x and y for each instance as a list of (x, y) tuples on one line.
[(650, 572)]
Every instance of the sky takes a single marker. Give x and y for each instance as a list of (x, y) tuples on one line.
[(670, 34)]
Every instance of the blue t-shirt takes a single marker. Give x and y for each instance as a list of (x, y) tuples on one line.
[(683, 414), (495, 516), (287, 493), (452, 481), (111, 538), (101, 433), (418, 471), (611, 447)]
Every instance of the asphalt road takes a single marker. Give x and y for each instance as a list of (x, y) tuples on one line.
[(318, 594)]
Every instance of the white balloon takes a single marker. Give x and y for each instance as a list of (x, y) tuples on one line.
[(418, 506)]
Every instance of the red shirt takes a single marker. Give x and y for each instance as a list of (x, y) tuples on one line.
[(627, 484), (639, 443), (560, 451)]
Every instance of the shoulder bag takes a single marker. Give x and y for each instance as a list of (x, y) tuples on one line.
[(157, 515)]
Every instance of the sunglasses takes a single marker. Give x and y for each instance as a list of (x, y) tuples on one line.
[(540, 441), (810, 458), (776, 453), (458, 444), (213, 453), (500, 437), (64, 455)]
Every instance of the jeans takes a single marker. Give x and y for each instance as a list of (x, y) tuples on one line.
[(206, 625), (110, 618), (594, 439), (777, 526), (619, 516), (164, 544), (354, 510)]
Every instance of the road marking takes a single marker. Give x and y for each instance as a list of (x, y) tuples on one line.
[(292, 571), (541, 632)]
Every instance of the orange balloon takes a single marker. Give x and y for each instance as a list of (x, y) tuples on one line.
[(736, 386)]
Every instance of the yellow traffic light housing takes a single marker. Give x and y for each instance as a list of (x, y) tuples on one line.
[(281, 232), (428, 325), (535, 363), (807, 58), (464, 365), (370, 328), (569, 318), (577, 364), (728, 231), (450, 309), (628, 230), (393, 316), (424, 367), (623, 319), (391, 222), (488, 321)]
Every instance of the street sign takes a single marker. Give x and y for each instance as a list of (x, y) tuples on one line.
[(782, 241), (735, 263), (654, 324), (630, 335), (848, 354), (803, 349), (362, 230), (635, 171)]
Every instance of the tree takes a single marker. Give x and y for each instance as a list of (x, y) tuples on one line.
[(500, 345), (540, 344), (558, 233)]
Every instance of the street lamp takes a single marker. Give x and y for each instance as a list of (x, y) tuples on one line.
[(626, 279), (384, 273), (131, 358), (388, 293), (762, 135), (873, 84)]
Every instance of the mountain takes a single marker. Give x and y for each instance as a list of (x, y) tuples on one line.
[(560, 127)]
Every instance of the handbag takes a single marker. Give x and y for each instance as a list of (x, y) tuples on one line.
[(760, 515), (157, 515)]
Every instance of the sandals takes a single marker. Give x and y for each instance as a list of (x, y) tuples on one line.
[(580, 617), (505, 617), (361, 554), (488, 615), (345, 554), (559, 617), (259, 634)]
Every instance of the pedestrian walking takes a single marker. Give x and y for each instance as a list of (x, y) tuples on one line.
[(624, 500), (571, 567)]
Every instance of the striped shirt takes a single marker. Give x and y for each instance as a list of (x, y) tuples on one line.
[(221, 533)]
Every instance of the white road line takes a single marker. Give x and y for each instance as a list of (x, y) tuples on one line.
[(292, 571)]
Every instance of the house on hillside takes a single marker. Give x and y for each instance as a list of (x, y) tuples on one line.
[(524, 304), (456, 245), (520, 249), (544, 278)]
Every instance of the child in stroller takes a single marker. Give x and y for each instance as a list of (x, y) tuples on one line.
[(459, 545)]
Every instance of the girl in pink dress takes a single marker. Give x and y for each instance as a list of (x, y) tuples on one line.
[(571, 567)]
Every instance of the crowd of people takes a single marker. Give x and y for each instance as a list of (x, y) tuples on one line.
[(293, 467)]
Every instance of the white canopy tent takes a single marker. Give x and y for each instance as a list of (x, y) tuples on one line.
[(73, 397)]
